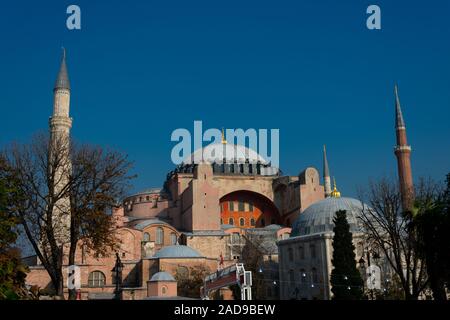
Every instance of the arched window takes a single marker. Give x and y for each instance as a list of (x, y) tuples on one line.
[(146, 236), (173, 238), (291, 276), (241, 222), (164, 290), (252, 222), (159, 235), (231, 221), (96, 279)]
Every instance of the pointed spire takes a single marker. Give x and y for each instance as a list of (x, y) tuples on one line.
[(399, 122), (326, 171), (62, 81), (326, 174)]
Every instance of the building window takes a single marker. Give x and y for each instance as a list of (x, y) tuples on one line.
[(159, 235), (221, 221), (250, 207), (315, 277), (263, 222), (312, 250), (301, 253), (241, 222), (231, 205), (272, 221), (173, 238), (291, 276), (164, 291), (147, 198), (96, 279), (221, 207), (231, 221), (241, 206), (140, 199), (291, 254), (252, 222), (146, 236)]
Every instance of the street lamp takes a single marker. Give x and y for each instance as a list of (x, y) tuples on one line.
[(362, 266), (117, 270)]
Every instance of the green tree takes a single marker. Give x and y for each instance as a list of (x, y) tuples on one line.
[(346, 282), (12, 271), (432, 222)]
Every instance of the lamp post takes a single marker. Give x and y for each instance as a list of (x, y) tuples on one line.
[(362, 266), (118, 267)]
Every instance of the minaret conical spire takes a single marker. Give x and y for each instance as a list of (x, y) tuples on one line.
[(62, 80), (326, 174), (399, 122)]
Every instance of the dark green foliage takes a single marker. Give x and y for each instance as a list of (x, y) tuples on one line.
[(12, 271), (346, 282), (432, 223)]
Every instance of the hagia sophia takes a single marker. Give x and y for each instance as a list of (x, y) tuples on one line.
[(205, 214)]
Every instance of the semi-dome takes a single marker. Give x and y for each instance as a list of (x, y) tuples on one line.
[(162, 276), (216, 152), (318, 218), (177, 251)]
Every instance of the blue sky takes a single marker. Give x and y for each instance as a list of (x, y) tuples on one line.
[(140, 69)]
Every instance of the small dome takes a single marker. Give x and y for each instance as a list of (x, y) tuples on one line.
[(177, 251), (162, 276), (214, 152), (318, 218)]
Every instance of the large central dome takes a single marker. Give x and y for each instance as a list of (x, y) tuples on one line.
[(232, 153)]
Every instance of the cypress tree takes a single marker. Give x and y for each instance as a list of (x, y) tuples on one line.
[(346, 282)]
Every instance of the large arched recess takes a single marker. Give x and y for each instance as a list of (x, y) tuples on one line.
[(255, 209)]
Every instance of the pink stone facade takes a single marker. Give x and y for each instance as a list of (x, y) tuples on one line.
[(188, 210)]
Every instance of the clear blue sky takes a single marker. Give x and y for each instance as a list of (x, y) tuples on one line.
[(140, 69)]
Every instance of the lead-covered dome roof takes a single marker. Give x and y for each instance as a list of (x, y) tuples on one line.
[(177, 251), (318, 218), (216, 152)]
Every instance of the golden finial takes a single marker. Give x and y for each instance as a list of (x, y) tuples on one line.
[(223, 137), (335, 193)]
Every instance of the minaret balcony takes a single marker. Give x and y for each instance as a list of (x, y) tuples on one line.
[(402, 148)]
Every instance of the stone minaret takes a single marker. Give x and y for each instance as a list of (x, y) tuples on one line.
[(59, 125), (326, 174), (403, 152)]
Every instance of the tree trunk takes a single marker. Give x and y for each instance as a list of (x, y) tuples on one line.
[(73, 291)]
